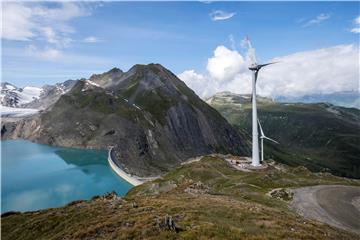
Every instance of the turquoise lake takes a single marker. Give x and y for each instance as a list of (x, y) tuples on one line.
[(35, 176)]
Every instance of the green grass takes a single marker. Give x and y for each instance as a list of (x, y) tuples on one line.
[(97, 101), (236, 207)]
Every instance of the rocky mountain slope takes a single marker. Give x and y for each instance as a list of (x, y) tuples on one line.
[(153, 120), (208, 199), (321, 137)]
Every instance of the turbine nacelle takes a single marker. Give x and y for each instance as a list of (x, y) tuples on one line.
[(257, 67)]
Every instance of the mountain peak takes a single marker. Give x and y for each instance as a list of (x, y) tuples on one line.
[(114, 70), (150, 77), (155, 67), (107, 78)]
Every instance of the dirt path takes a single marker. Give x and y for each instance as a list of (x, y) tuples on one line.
[(331, 204)]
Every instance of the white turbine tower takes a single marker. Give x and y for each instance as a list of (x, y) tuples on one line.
[(262, 137), (255, 68)]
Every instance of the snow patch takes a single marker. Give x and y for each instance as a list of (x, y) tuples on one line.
[(92, 83), (88, 84), (29, 94)]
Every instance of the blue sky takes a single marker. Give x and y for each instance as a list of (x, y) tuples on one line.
[(56, 42)]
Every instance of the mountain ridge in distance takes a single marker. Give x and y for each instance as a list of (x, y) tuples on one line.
[(349, 99)]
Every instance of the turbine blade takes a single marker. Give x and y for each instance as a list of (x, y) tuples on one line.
[(261, 130), (271, 139), (263, 135), (263, 65)]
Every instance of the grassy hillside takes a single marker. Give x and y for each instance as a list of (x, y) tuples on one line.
[(321, 137), (207, 200)]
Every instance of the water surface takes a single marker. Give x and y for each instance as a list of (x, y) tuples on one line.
[(35, 176)]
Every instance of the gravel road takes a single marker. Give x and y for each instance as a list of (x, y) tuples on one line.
[(335, 205)]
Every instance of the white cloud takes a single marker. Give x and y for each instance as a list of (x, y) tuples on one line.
[(27, 21), (323, 70), (202, 85), (46, 29), (16, 24), (91, 39), (357, 20), (45, 53), (30, 57), (50, 53), (317, 20), (219, 15), (223, 68), (356, 29), (49, 34), (318, 71), (65, 12), (225, 64)]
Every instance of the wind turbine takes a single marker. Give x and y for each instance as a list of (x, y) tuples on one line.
[(262, 137), (255, 68)]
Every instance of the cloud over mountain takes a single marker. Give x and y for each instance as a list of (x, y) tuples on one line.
[(323, 70)]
